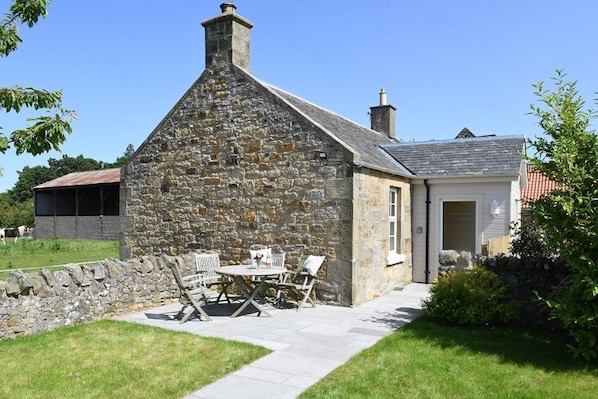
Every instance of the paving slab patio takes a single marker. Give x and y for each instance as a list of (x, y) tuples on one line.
[(306, 344)]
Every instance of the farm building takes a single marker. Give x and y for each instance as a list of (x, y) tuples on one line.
[(79, 205)]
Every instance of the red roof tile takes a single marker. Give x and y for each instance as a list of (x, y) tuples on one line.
[(538, 185)]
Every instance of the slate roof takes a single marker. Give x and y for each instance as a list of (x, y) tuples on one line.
[(361, 140), (104, 176), (478, 156)]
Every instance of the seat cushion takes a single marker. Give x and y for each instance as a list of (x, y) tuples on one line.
[(313, 263)]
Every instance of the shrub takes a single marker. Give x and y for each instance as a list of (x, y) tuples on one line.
[(566, 154), (531, 246), (475, 296)]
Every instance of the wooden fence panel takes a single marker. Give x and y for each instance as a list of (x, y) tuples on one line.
[(499, 245)]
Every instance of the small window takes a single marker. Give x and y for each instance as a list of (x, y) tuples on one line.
[(394, 224), (392, 220)]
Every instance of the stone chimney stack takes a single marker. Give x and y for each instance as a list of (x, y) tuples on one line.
[(382, 117), (227, 38)]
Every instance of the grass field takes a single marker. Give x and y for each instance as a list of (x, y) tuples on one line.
[(29, 253), (426, 359), (112, 359)]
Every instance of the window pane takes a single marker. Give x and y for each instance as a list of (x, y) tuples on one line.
[(392, 203), (394, 219)]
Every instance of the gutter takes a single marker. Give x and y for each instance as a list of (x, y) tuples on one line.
[(428, 202)]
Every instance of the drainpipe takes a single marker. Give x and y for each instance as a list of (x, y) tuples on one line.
[(427, 231)]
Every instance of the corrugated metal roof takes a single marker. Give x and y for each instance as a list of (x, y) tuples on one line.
[(104, 176)]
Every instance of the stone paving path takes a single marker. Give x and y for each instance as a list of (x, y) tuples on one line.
[(307, 345)]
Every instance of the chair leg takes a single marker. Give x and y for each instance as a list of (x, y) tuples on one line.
[(223, 292), (306, 298), (202, 312), (186, 313), (194, 306)]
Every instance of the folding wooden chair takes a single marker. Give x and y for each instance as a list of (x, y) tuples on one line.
[(206, 264), (302, 281), (193, 294), (278, 259)]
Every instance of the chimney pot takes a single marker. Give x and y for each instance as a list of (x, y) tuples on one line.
[(382, 97), (228, 8)]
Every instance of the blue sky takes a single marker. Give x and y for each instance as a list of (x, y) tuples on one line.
[(445, 64)]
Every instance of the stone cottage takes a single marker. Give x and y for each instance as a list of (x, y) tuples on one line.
[(238, 162)]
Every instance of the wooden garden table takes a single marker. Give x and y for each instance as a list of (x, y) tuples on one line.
[(249, 291)]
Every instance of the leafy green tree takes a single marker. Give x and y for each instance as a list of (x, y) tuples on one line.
[(13, 215), (122, 160), (66, 165), (568, 217), (47, 131), (29, 177)]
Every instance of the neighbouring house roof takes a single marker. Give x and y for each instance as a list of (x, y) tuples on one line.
[(478, 156), (361, 140), (538, 185), (465, 133), (104, 176)]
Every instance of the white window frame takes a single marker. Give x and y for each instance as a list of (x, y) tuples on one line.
[(395, 214)]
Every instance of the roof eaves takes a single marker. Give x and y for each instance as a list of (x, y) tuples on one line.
[(383, 169), (399, 165)]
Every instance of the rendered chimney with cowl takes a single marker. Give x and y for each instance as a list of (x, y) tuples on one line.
[(383, 117)]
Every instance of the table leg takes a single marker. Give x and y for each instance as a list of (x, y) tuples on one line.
[(250, 297)]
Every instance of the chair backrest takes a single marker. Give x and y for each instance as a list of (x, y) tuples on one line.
[(312, 264), (178, 278), (278, 259), (207, 264), (186, 284)]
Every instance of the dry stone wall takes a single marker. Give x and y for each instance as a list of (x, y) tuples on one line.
[(42, 301)]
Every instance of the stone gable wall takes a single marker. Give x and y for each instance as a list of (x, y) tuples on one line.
[(231, 166), (35, 302)]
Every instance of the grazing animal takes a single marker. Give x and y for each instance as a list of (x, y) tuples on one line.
[(16, 233)]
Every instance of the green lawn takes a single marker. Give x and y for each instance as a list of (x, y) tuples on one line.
[(113, 359), (27, 253), (429, 360)]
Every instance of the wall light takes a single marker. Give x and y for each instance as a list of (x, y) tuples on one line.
[(495, 208)]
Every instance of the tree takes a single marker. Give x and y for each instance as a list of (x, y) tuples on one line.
[(66, 165), (48, 131), (122, 160), (568, 155), (29, 177), (16, 214)]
